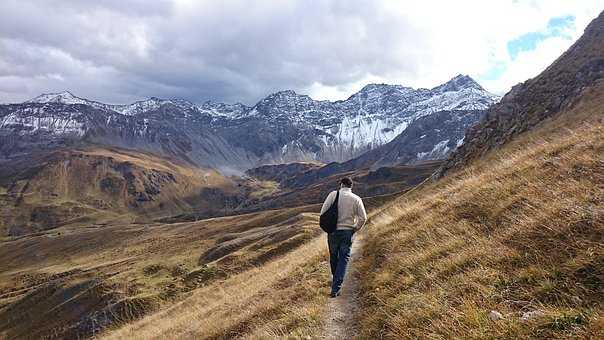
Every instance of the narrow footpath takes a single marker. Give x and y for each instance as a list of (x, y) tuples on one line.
[(342, 311)]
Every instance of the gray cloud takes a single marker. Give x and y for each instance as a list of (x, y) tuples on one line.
[(223, 50), (230, 50)]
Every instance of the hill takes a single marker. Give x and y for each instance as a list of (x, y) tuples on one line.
[(520, 232), (99, 185)]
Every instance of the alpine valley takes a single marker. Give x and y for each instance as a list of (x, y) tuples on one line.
[(168, 219), (94, 196)]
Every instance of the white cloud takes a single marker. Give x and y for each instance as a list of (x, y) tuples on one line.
[(529, 64)]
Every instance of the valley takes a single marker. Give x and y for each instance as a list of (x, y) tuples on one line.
[(85, 279)]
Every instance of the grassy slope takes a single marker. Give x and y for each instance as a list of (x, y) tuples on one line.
[(283, 298), (103, 185), (262, 274), (520, 230), (126, 271)]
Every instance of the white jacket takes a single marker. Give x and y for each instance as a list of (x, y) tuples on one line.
[(351, 211)]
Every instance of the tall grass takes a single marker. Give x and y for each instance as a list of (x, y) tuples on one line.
[(521, 230), (282, 298)]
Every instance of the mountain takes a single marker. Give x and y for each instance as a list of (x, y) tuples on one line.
[(553, 92), (283, 127), (431, 137), (369, 118)]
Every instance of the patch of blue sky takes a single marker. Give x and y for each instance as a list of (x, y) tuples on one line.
[(556, 27), (494, 72)]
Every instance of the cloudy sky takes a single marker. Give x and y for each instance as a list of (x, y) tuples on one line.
[(118, 51)]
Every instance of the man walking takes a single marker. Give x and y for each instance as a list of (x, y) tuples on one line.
[(351, 218)]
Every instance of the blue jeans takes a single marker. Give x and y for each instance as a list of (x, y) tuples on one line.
[(340, 242)]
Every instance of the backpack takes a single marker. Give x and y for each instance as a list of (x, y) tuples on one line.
[(329, 219)]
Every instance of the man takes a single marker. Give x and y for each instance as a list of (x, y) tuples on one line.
[(351, 218)]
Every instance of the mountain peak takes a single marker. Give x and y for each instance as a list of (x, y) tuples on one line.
[(375, 87), (284, 93), (283, 96), (64, 97), (459, 82)]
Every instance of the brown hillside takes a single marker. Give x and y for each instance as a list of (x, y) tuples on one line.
[(74, 282), (520, 232), (99, 185)]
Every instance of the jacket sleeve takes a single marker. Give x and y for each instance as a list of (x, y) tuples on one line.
[(328, 201), (361, 214)]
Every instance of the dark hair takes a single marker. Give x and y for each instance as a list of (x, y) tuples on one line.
[(346, 181)]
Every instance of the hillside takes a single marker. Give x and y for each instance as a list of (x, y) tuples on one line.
[(510, 242), (73, 282), (104, 185), (212, 278), (520, 232)]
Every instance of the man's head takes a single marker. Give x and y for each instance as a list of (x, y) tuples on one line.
[(346, 182)]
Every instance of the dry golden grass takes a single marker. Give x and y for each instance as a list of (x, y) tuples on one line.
[(521, 230), (282, 298), (146, 268)]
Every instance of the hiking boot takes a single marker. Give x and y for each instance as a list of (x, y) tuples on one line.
[(335, 294)]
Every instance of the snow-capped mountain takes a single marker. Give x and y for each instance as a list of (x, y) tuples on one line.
[(64, 97), (283, 127), (370, 118)]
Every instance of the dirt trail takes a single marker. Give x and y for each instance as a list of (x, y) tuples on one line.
[(342, 311)]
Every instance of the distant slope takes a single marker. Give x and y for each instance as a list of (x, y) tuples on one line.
[(97, 185), (280, 172), (429, 138), (367, 183), (552, 92)]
